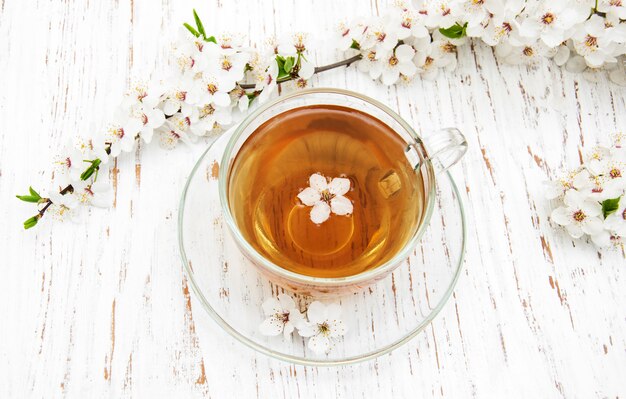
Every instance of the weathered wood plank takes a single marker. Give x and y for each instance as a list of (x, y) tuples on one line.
[(104, 309)]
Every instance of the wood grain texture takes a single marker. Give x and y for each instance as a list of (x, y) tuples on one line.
[(103, 309)]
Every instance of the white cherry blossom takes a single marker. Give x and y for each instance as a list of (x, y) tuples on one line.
[(294, 44), (214, 89), (323, 326), (431, 57), (549, 20), (371, 63), (122, 132), (381, 37), (64, 207), (326, 197), (264, 74), (98, 194), (592, 42), (614, 8), (529, 51), (399, 62), (283, 316), (71, 162), (478, 12), (228, 67), (504, 27), (441, 13), (579, 215), (141, 103), (343, 36), (408, 22), (181, 96)]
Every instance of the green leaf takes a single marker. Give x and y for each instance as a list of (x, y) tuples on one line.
[(34, 193), (609, 206), (281, 61), (210, 39), (289, 63), (95, 165), (456, 31), (191, 29), (28, 198), (31, 222), (199, 24), (251, 97), (355, 45), (282, 76)]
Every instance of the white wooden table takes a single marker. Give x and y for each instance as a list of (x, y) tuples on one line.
[(103, 309)]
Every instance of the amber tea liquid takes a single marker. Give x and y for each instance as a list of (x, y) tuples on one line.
[(274, 165)]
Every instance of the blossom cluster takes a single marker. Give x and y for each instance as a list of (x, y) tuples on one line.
[(321, 324), (216, 78), (592, 199), (583, 35)]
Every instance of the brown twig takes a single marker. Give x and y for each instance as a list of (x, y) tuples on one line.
[(320, 69)]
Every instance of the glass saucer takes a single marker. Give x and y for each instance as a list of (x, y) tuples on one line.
[(380, 318)]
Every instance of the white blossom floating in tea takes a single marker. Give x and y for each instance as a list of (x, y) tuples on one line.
[(326, 197)]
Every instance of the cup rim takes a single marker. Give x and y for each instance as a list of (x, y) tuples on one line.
[(365, 276)]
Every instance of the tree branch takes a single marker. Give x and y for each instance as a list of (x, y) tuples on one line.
[(323, 68)]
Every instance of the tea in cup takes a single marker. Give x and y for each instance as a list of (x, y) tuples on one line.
[(327, 191)]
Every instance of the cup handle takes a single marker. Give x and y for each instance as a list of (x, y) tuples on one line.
[(445, 148)]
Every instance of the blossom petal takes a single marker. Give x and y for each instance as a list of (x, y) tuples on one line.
[(341, 205), (132, 127), (408, 69), (318, 182), (102, 200), (127, 144), (582, 180), (288, 329), (309, 196), (339, 186), (146, 134), (156, 118), (333, 311), (100, 187), (306, 329), (221, 98), (170, 107), (286, 302), (573, 199), (562, 55), (337, 328), (390, 76), (296, 317), (576, 64), (306, 70), (320, 212), (271, 306), (602, 239), (271, 327), (317, 312), (561, 216), (574, 230), (592, 226), (404, 53), (591, 208), (319, 343)]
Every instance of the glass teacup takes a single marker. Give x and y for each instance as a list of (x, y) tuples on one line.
[(427, 157)]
